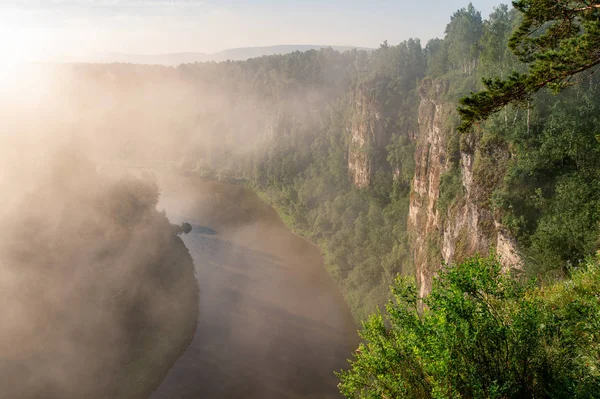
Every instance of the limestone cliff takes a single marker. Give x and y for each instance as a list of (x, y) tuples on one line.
[(466, 226), (367, 136)]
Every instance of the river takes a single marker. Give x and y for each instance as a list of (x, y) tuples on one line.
[(272, 323)]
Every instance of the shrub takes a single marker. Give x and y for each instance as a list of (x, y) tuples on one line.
[(482, 334)]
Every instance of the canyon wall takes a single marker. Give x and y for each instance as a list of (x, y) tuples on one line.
[(465, 226), (367, 136)]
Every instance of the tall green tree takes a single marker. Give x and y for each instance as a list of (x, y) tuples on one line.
[(436, 52), (496, 58), (462, 35), (559, 41)]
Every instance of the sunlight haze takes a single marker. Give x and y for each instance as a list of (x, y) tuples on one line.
[(42, 30), (279, 199)]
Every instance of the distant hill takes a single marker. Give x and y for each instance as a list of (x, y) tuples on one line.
[(253, 52), (173, 59)]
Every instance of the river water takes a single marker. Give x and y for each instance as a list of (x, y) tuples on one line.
[(272, 323)]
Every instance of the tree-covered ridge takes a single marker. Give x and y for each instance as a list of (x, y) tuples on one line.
[(535, 165), (485, 332), (482, 334)]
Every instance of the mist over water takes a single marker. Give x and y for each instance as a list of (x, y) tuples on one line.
[(99, 293), (148, 245), (88, 268), (272, 322)]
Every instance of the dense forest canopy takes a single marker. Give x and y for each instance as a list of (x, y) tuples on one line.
[(485, 331), (557, 41)]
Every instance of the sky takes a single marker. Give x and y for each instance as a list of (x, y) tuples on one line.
[(47, 28)]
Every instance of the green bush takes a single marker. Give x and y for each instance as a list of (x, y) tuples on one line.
[(482, 334), (450, 189)]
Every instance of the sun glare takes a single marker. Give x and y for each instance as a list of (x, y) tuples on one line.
[(17, 47)]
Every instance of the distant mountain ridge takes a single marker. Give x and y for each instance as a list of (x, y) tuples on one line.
[(173, 59)]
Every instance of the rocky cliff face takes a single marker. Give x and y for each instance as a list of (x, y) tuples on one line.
[(366, 136), (424, 219), (465, 227)]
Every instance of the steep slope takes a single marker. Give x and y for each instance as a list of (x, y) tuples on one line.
[(367, 136), (447, 220)]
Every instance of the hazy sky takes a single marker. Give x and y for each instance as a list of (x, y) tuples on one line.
[(76, 27)]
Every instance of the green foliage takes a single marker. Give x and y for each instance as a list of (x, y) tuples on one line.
[(401, 157), (304, 175), (482, 334), (437, 57), (548, 196), (451, 188), (287, 125), (557, 40), (462, 38), (496, 58)]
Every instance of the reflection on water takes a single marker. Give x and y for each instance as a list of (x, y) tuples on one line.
[(272, 324)]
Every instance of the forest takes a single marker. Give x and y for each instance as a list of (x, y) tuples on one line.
[(329, 139), (487, 328), (407, 166), (331, 143)]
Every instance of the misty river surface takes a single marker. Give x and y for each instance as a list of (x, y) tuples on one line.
[(272, 323)]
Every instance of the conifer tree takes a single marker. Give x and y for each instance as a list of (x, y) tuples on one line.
[(559, 41)]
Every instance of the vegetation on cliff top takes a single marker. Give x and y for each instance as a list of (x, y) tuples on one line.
[(558, 41), (483, 334)]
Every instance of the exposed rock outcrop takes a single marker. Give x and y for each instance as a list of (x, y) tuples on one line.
[(465, 227), (367, 135), (424, 219)]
